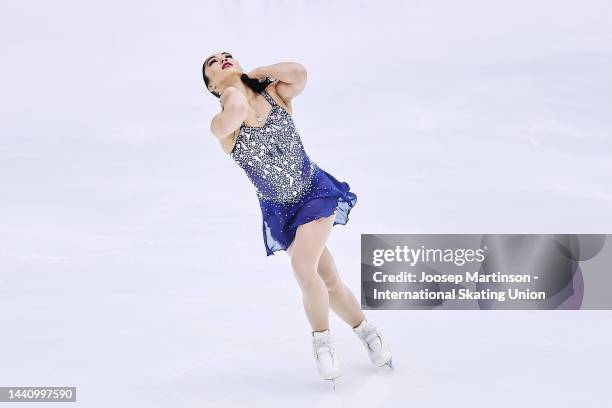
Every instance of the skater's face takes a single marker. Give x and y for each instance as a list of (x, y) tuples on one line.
[(218, 67)]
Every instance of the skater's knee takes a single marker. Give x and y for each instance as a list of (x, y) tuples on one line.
[(305, 271), (334, 286), (332, 282)]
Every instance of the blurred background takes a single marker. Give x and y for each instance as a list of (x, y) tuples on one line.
[(131, 256)]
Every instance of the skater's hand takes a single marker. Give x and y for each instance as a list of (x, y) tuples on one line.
[(258, 73)]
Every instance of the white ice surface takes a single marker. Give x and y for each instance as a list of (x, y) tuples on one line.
[(131, 258)]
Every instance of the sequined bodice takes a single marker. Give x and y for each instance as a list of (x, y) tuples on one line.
[(273, 157)]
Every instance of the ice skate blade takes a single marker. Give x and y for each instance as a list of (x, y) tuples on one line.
[(390, 364), (387, 364), (332, 381)]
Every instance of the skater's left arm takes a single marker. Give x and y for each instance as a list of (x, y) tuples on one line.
[(291, 78)]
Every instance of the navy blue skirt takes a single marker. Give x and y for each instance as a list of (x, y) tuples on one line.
[(324, 196)]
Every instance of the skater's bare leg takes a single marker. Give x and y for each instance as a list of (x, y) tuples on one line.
[(341, 299), (305, 251)]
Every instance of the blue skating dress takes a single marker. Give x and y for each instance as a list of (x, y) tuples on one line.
[(292, 190)]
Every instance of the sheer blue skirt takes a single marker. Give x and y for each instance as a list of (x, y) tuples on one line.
[(324, 196)]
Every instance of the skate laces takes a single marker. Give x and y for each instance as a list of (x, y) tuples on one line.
[(322, 342), (368, 334)]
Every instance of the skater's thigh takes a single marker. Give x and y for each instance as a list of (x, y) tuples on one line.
[(310, 239)]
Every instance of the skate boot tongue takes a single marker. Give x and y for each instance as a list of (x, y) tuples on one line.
[(369, 334), (320, 334), (360, 327), (321, 342)]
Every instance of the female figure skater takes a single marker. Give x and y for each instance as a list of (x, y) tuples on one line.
[(300, 202)]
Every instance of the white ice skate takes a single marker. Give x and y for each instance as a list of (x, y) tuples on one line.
[(373, 340), (325, 356)]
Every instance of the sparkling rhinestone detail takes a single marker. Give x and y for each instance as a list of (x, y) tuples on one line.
[(274, 158)]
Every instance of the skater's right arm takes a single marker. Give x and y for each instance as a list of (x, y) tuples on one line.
[(234, 110)]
